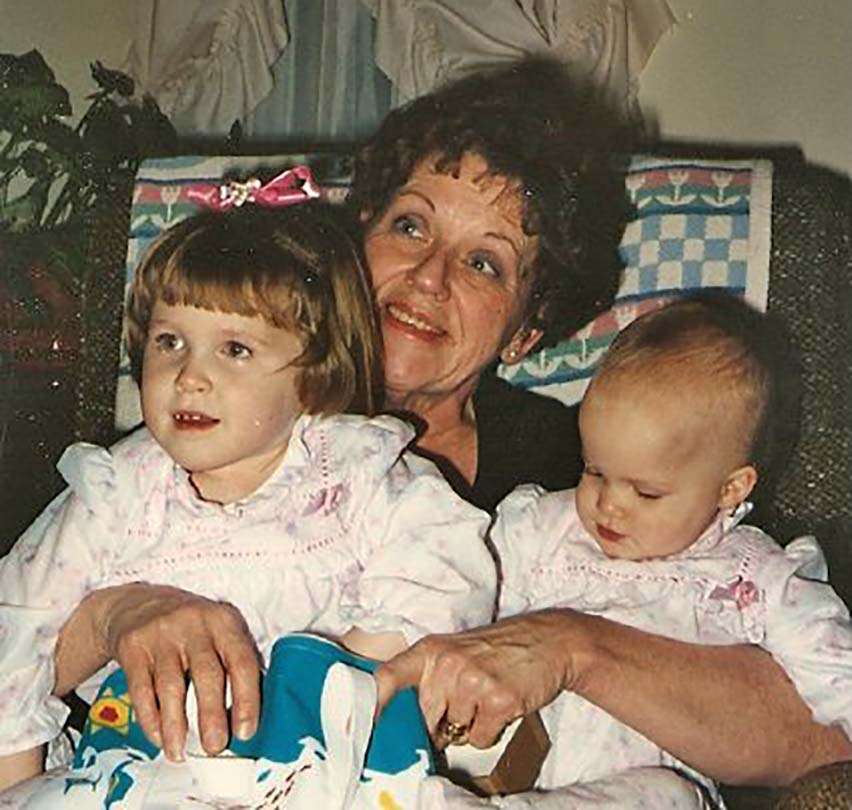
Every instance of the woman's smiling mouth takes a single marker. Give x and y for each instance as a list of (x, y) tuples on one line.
[(404, 319)]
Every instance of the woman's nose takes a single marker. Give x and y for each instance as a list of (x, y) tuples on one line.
[(192, 377), (431, 275)]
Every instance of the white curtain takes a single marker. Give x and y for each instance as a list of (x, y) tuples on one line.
[(604, 43), (209, 62), (206, 62), (327, 86)]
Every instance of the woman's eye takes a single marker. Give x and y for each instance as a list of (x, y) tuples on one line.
[(237, 350), (485, 265), (407, 226), (168, 342)]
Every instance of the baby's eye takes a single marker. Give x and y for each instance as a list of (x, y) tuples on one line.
[(485, 265), (237, 350), (649, 496), (408, 226), (591, 472), (168, 342)]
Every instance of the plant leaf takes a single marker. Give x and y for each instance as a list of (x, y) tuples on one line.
[(32, 102), (113, 81), (108, 135), (27, 68)]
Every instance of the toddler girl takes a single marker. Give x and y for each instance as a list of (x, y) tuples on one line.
[(251, 332), (676, 427)]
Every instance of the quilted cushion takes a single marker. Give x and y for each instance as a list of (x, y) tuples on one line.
[(698, 225)]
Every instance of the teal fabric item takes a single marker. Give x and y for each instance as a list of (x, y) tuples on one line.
[(292, 688), (111, 724), (115, 762)]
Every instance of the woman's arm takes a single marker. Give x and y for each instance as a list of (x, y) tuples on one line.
[(158, 634), (730, 711), (16, 768)]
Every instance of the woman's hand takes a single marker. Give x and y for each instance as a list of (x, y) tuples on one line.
[(159, 634), (482, 679), (728, 711)]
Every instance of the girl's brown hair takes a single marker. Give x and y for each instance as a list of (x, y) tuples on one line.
[(299, 268)]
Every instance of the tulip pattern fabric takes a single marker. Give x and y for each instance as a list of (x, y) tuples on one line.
[(697, 225)]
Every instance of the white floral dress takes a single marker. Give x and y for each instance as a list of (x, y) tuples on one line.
[(733, 585), (351, 530)]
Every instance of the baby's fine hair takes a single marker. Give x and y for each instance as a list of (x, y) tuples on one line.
[(300, 268), (738, 355)]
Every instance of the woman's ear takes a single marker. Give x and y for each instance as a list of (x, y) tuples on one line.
[(521, 344), (737, 487)]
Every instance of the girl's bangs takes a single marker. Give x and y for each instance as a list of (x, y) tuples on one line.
[(228, 284)]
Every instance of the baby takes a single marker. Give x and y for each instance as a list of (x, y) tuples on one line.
[(251, 332), (677, 427)]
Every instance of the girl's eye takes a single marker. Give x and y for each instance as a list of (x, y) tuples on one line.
[(485, 265), (237, 351), (407, 226), (168, 342)]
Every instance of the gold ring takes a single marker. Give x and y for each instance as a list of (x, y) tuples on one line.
[(456, 733)]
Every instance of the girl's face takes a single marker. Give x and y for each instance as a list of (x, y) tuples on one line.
[(657, 470), (219, 394), (446, 261)]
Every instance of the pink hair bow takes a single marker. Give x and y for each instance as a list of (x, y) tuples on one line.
[(291, 186)]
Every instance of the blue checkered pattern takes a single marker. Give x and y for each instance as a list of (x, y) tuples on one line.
[(695, 228)]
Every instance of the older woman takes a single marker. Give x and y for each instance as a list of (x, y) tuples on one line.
[(483, 243)]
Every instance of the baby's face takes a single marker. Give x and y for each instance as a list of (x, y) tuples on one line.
[(656, 471), (219, 393)]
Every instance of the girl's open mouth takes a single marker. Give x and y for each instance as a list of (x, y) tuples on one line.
[(193, 420)]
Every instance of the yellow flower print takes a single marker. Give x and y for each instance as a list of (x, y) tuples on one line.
[(111, 711), (386, 801)]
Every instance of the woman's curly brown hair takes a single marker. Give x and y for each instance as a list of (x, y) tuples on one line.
[(534, 128)]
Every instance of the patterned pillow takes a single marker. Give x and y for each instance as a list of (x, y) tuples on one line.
[(699, 224)]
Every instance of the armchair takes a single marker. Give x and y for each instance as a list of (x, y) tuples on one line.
[(806, 213)]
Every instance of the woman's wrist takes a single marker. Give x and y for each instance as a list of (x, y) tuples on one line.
[(114, 608), (567, 639), (86, 641)]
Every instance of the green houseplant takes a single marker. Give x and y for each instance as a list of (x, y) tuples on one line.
[(52, 173), (56, 179)]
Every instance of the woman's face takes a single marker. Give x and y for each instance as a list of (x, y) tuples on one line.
[(446, 260)]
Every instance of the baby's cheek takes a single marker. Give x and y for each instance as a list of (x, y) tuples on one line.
[(583, 497)]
